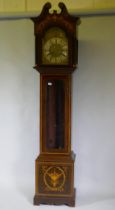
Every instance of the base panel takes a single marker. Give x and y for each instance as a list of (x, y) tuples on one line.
[(51, 200)]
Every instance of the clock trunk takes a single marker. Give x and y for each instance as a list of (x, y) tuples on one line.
[(55, 97)]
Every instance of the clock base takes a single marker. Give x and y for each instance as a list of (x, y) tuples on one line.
[(55, 180), (50, 200)]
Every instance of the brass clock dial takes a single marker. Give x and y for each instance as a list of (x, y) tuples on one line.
[(55, 47)]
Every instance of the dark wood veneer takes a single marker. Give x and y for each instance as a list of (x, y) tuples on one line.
[(55, 164)]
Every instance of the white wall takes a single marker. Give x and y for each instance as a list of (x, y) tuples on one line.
[(17, 103), (93, 132), (94, 107)]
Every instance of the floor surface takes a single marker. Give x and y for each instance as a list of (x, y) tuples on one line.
[(16, 199)]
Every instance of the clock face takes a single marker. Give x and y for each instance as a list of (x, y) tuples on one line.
[(55, 47)]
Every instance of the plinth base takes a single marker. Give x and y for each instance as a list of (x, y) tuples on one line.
[(51, 200)]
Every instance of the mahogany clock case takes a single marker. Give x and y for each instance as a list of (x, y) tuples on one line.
[(56, 53)]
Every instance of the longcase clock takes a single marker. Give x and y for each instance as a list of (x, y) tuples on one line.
[(56, 58)]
